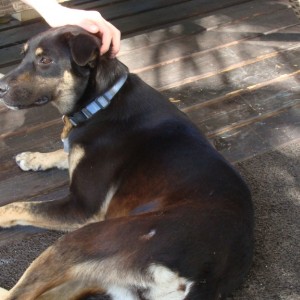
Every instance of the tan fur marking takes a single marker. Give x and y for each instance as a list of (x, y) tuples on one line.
[(16, 214), (24, 213), (76, 154), (96, 271), (67, 128), (66, 93), (25, 48), (71, 291), (3, 293), (32, 287), (24, 77), (68, 78), (39, 51), (160, 282), (100, 216)]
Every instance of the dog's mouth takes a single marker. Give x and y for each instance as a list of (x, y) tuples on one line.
[(41, 101)]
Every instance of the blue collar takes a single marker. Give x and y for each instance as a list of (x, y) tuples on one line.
[(98, 104)]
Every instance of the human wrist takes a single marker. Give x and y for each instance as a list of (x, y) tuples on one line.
[(48, 9), (42, 6)]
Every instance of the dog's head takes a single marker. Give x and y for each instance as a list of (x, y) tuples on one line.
[(56, 67)]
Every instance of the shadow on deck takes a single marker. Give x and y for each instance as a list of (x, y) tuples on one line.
[(233, 66)]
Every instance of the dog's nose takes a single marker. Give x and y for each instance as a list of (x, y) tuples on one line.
[(3, 89)]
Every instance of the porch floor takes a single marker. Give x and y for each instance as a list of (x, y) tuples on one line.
[(232, 65)]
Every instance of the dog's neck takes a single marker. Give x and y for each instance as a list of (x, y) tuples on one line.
[(104, 85), (101, 78), (108, 71), (99, 103)]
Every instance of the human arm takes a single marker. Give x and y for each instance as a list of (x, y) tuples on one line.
[(57, 15)]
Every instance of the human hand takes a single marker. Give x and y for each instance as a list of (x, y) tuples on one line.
[(91, 21), (57, 15)]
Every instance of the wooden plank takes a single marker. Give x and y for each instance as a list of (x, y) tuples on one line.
[(205, 41), (19, 35), (33, 142), (210, 119), (192, 97), (254, 92), (242, 137), (83, 4), (131, 7), (14, 123), (248, 108), (29, 184), (46, 137), (78, 4), (174, 13), (181, 48), (207, 87), (199, 66), (239, 144), (11, 54), (219, 86), (242, 12), (252, 120), (32, 186), (15, 141), (12, 24), (228, 16), (279, 129)]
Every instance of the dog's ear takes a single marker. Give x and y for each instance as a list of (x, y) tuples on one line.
[(84, 48)]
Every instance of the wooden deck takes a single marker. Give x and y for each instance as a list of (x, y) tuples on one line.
[(232, 65)]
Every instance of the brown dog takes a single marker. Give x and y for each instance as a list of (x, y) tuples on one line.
[(159, 214)]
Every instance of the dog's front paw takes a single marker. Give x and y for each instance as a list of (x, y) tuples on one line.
[(30, 161)]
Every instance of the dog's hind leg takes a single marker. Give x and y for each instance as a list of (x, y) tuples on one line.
[(75, 290), (36, 161), (50, 277), (49, 270), (3, 293), (69, 269)]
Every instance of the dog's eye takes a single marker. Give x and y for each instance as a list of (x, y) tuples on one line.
[(45, 60)]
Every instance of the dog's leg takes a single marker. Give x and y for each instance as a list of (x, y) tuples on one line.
[(46, 272), (68, 269), (73, 290), (37, 161), (66, 214), (70, 290), (118, 257), (63, 214)]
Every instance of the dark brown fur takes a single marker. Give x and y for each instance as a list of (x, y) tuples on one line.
[(154, 201)]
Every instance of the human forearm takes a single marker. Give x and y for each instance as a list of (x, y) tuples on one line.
[(43, 7), (57, 15), (48, 9)]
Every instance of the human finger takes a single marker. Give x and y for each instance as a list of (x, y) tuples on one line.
[(115, 41), (106, 38)]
